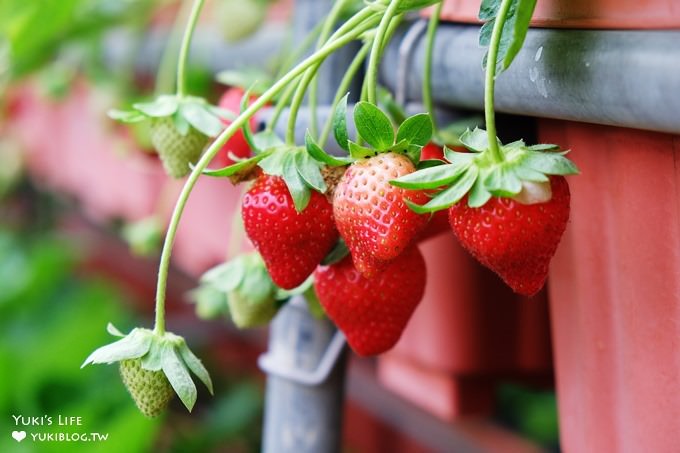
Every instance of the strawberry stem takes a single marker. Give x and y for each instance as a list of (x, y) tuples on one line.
[(348, 34), (184, 49), (490, 82), (427, 69), (165, 79), (376, 51)]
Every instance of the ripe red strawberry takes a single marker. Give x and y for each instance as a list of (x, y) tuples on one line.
[(371, 215), (517, 241), (291, 243), (237, 144), (176, 151), (372, 312), (150, 390), (432, 151)]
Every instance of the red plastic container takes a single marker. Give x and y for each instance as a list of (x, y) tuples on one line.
[(606, 14), (615, 291), (469, 330)]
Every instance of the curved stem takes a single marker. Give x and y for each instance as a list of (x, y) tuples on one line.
[(281, 104), (489, 84), (212, 150), (427, 66), (376, 51), (298, 98), (165, 79), (342, 89), (332, 18), (184, 49)]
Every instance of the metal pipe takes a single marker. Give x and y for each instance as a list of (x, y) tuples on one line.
[(619, 78)]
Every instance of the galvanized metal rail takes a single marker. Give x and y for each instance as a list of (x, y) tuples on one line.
[(619, 78)]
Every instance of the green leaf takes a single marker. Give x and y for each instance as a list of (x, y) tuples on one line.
[(267, 139), (514, 29), (113, 330), (196, 366), (549, 163), (413, 152), (309, 171), (402, 146), (225, 276), (357, 151), (529, 174), (395, 110), (296, 185), (416, 129), (475, 140), (543, 147), (450, 196), (449, 135), (339, 252), (320, 155), (373, 126), (239, 166), (458, 158), (178, 376), (164, 105), (429, 163), (502, 182), (414, 5), (210, 301), (152, 359), (430, 178), (132, 346), (478, 195), (340, 124), (201, 118), (181, 123), (257, 80), (126, 116)]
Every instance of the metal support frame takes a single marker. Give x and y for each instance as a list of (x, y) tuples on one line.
[(620, 78)]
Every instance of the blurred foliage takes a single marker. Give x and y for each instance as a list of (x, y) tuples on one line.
[(531, 412), (52, 315), (35, 31)]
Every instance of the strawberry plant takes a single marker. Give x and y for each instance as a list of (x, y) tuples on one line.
[(344, 228)]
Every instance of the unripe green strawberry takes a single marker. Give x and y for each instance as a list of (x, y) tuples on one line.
[(249, 312), (150, 390), (176, 151)]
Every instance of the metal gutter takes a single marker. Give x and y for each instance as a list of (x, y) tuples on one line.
[(619, 78)]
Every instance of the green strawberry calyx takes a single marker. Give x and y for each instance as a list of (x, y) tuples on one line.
[(168, 353), (247, 290), (522, 174), (185, 111)]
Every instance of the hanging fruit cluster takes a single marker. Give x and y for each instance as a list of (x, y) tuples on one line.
[(343, 230)]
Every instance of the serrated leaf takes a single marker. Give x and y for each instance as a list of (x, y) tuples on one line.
[(475, 140), (451, 195), (373, 126), (357, 151), (478, 194), (416, 129), (502, 182), (430, 178), (299, 191), (458, 158), (126, 116), (238, 167), (152, 359), (178, 376), (201, 118), (196, 366), (132, 346), (339, 252), (163, 106), (488, 9), (449, 135), (340, 124), (549, 163), (309, 170), (320, 155), (113, 330)]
